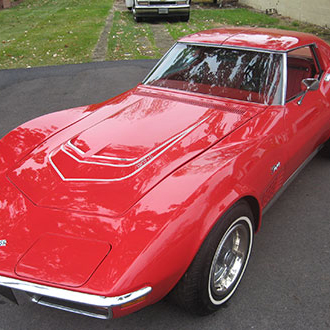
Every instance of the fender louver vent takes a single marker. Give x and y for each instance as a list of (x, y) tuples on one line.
[(207, 104), (273, 187)]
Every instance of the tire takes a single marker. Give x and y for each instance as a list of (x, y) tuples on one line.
[(219, 265), (185, 18), (136, 19)]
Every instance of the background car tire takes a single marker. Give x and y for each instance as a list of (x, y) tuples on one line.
[(185, 18), (136, 18), (207, 284)]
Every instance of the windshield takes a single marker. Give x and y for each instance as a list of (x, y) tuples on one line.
[(233, 73)]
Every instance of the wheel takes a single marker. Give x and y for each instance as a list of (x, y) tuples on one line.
[(129, 8), (218, 267), (137, 19), (185, 18)]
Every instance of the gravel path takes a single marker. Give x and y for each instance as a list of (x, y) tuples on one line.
[(163, 39)]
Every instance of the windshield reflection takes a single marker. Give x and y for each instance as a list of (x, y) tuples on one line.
[(233, 73)]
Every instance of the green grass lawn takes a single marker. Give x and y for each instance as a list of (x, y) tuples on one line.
[(129, 40), (50, 32), (211, 18)]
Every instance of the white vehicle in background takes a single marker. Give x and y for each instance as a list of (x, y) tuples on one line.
[(159, 8)]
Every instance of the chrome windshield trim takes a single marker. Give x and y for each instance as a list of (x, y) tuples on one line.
[(284, 77), (219, 46), (157, 64), (253, 49), (74, 296)]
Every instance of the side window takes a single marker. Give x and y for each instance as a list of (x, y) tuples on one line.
[(301, 64)]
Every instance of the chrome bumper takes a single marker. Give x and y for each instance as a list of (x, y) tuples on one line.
[(72, 301), (172, 10)]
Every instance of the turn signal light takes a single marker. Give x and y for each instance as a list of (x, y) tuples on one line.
[(133, 302)]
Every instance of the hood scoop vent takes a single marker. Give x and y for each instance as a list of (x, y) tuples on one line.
[(112, 159), (113, 169)]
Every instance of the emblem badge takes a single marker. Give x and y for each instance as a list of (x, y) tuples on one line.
[(276, 167), (3, 242)]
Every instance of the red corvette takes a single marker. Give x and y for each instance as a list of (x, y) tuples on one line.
[(105, 209)]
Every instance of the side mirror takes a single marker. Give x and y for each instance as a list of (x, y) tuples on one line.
[(308, 84)]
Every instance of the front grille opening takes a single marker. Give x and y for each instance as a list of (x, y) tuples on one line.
[(73, 307)]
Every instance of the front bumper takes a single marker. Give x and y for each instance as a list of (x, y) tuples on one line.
[(72, 301), (161, 10)]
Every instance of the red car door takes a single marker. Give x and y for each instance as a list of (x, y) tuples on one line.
[(307, 123)]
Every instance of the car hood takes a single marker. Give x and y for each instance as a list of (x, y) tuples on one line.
[(106, 162)]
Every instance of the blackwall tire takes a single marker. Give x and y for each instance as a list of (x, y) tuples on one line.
[(136, 18), (185, 18)]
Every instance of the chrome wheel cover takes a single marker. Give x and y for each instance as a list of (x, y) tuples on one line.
[(230, 260)]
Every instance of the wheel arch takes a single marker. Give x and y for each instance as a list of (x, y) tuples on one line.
[(255, 208)]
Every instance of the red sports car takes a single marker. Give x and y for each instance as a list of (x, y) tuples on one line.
[(105, 209)]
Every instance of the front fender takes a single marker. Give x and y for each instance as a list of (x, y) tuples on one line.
[(167, 226)]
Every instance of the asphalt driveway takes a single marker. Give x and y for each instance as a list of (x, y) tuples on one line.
[(287, 283)]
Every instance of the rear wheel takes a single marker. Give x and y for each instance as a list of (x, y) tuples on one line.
[(218, 267)]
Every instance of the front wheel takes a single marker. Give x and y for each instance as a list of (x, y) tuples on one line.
[(136, 18), (185, 18), (218, 267)]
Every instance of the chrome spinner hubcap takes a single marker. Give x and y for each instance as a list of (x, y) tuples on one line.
[(229, 259)]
